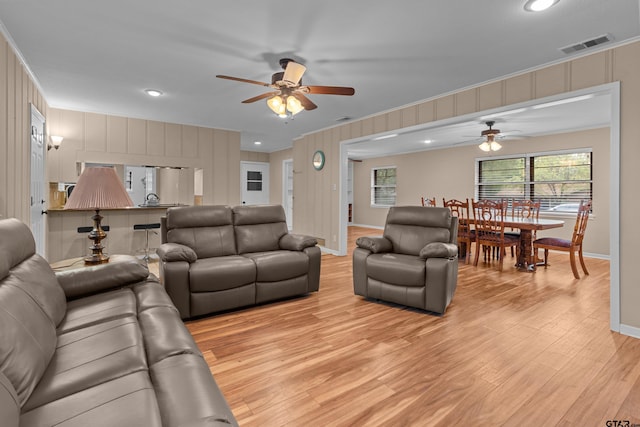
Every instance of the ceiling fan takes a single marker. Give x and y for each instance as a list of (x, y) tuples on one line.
[(290, 96), (490, 143)]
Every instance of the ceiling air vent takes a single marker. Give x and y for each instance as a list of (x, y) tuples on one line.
[(586, 44)]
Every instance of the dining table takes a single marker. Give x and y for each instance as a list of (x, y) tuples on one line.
[(527, 259)]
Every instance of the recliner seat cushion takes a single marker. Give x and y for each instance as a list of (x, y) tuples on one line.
[(397, 269), (273, 266), (220, 273)]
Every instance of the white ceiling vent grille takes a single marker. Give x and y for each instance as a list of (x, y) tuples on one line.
[(587, 44)]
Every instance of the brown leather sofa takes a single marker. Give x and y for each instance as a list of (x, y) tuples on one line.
[(414, 263), (216, 258), (102, 345)]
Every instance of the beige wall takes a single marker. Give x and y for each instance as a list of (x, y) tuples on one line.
[(316, 206), (17, 91), (254, 156), (421, 174)]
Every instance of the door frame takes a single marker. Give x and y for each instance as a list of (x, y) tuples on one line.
[(287, 164), (38, 200)]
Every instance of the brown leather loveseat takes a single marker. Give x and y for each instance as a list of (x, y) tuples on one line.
[(414, 263), (216, 258), (96, 346)]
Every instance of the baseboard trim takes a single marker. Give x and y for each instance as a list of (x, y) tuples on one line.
[(630, 331), (377, 227), (329, 251)]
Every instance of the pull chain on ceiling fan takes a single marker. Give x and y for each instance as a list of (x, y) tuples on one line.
[(289, 97)]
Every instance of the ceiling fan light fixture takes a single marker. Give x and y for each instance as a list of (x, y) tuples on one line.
[(485, 146), (277, 105), (539, 5), (294, 106), (495, 146), (293, 73)]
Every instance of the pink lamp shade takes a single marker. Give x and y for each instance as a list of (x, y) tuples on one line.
[(99, 188)]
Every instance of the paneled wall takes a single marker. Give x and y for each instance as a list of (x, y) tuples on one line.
[(101, 138), (316, 205), (17, 91)]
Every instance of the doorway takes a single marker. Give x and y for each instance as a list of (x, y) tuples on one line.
[(287, 191), (38, 196), (254, 182)]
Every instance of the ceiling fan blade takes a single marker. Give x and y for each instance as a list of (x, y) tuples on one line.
[(329, 90), (293, 73), (238, 79), (259, 97), (306, 102)]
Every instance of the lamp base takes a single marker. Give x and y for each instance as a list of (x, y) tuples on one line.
[(97, 235)]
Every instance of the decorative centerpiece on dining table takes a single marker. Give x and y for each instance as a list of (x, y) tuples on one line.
[(98, 188)]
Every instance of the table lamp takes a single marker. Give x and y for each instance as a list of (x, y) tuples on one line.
[(98, 188)]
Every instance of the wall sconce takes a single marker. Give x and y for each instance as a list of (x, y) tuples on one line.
[(56, 142)]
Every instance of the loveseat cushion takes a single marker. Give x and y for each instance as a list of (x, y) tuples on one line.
[(126, 401), (164, 334), (9, 406), (398, 269), (273, 266), (259, 228), (208, 230), (220, 273)]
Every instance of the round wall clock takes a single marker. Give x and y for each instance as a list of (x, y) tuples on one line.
[(318, 160)]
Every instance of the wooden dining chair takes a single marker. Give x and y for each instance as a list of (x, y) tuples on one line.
[(489, 216), (429, 202), (572, 246), (466, 232), (524, 209)]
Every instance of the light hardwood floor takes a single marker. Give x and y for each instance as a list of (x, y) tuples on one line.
[(513, 348)]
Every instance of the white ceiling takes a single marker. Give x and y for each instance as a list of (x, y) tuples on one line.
[(100, 56)]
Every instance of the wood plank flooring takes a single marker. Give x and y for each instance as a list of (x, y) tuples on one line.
[(513, 349)]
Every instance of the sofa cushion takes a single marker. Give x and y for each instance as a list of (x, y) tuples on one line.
[(16, 245), (27, 338), (90, 356), (279, 265), (98, 308), (398, 269), (126, 401), (9, 406), (220, 273)]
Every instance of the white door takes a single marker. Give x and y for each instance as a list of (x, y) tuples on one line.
[(38, 200), (254, 179), (287, 191)]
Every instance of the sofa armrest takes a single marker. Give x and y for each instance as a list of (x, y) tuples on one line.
[(121, 270), (169, 252), (439, 250), (376, 244), (296, 242)]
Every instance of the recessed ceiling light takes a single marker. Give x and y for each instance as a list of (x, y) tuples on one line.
[(427, 141), (257, 143), (539, 5), (153, 92)]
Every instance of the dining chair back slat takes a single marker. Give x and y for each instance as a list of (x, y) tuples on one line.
[(489, 217), (466, 234)]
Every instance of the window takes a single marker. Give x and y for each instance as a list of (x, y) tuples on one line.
[(558, 180), (383, 186)]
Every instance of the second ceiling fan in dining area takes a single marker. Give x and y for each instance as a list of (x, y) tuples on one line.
[(289, 96)]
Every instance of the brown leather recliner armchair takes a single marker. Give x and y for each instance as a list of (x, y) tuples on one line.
[(414, 263), (216, 258)]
